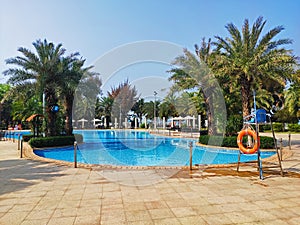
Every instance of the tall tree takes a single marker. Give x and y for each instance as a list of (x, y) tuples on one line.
[(194, 72), (292, 98), (72, 72), (5, 105), (124, 97), (106, 104), (138, 108), (250, 59), (41, 68)]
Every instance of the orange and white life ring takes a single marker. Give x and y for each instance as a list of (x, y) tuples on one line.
[(243, 149)]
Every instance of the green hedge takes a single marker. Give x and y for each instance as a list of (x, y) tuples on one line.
[(41, 142), (27, 137), (294, 127), (265, 142), (278, 127)]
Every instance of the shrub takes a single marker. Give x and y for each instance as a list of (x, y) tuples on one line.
[(278, 127), (230, 141), (265, 142), (265, 127), (234, 124), (294, 127), (203, 139), (143, 125), (41, 142)]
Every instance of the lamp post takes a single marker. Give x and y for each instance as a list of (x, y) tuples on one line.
[(154, 113)]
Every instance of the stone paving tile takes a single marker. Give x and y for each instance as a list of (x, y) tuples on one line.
[(62, 220), (5, 208), (216, 219), (66, 203), (207, 209), (87, 220), (35, 222), (90, 210), (135, 206), (13, 218), (137, 215), (241, 217), (161, 213), (275, 222), (192, 220), (284, 213), (184, 211), (22, 208), (167, 221), (40, 214), (155, 205), (144, 222), (113, 216), (113, 207)]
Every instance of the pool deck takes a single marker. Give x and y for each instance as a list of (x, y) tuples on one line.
[(35, 192)]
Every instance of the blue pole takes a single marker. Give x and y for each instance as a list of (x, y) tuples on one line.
[(257, 134)]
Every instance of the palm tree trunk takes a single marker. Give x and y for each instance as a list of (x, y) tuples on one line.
[(51, 116), (246, 95), (210, 116), (51, 119), (69, 108)]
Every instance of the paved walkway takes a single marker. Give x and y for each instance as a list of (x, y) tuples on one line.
[(34, 192)]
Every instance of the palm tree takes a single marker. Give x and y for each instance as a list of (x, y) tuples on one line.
[(72, 71), (86, 94), (42, 69), (193, 73), (250, 59), (138, 108), (292, 99), (106, 104)]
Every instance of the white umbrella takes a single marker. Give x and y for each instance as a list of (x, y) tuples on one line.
[(95, 120), (82, 121), (188, 118), (177, 119)]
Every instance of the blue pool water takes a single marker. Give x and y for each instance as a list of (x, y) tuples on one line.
[(136, 148), (15, 134)]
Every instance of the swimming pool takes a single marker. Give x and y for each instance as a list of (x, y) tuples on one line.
[(138, 148)]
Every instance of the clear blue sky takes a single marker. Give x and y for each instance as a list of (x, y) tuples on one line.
[(94, 27)]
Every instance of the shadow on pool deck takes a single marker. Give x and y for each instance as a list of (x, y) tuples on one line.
[(16, 174)]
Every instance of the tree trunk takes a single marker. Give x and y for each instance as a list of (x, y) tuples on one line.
[(210, 117), (51, 100), (246, 94), (69, 114), (51, 123), (107, 122)]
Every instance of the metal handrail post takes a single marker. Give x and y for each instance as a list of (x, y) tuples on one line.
[(21, 152), (19, 137), (75, 154), (290, 141), (191, 155)]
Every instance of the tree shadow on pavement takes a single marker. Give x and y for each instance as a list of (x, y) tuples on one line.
[(18, 174)]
